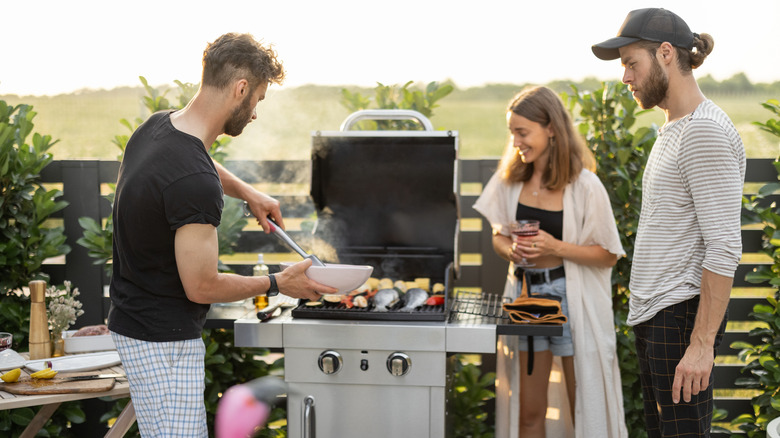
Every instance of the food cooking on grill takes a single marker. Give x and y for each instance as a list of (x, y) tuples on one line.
[(383, 295), (332, 298), (360, 301), (435, 300), (372, 283), (414, 298), (385, 283), (385, 298)]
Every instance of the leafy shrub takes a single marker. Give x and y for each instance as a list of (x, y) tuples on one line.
[(228, 365), (25, 203), (26, 241), (392, 97), (606, 117), (763, 360), (471, 391)]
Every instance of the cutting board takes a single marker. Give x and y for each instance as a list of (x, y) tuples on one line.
[(29, 386)]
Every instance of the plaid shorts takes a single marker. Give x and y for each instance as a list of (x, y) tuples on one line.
[(166, 385), (660, 345)]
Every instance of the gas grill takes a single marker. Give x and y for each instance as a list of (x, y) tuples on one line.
[(386, 199)]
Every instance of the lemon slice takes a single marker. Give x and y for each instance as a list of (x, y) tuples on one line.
[(11, 376), (47, 373)]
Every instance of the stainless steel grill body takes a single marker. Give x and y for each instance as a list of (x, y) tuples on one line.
[(362, 397)]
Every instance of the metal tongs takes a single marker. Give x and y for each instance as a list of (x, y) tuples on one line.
[(276, 229)]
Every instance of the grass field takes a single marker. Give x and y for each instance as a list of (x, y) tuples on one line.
[(86, 122)]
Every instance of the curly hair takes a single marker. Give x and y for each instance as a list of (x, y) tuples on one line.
[(235, 56), (568, 153), (687, 60)]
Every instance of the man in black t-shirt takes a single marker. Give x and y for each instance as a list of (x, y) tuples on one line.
[(168, 204)]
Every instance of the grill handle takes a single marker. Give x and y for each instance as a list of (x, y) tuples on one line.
[(309, 418), (386, 114)]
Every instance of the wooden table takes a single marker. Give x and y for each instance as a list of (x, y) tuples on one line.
[(50, 403)]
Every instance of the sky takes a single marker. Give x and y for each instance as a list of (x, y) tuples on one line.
[(52, 47)]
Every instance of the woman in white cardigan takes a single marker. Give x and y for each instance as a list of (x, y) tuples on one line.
[(544, 174)]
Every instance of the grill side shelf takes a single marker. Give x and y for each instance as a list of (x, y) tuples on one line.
[(485, 308)]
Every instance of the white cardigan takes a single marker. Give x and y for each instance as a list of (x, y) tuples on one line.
[(587, 220)]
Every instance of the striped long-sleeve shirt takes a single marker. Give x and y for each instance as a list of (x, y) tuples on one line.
[(691, 204)]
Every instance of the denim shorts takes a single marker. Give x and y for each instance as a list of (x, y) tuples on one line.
[(559, 345)]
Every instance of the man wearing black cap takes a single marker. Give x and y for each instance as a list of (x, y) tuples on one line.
[(688, 243)]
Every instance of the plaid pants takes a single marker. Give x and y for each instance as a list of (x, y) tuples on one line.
[(166, 385), (660, 345)]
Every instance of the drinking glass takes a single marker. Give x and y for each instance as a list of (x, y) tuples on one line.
[(524, 228), (5, 340)]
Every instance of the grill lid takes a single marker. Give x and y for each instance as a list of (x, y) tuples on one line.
[(388, 191), (395, 190)]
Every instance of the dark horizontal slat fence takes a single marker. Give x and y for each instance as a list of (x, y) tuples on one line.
[(81, 181), (757, 171)]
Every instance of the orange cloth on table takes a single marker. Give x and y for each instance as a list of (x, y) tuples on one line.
[(534, 310)]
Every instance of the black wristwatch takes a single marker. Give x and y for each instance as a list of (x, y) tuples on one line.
[(274, 289)]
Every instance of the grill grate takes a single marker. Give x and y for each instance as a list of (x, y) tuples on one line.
[(340, 311), (328, 310)]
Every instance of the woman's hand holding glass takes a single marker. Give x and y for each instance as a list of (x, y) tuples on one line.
[(523, 232)]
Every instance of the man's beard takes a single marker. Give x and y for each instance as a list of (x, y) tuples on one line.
[(241, 117), (654, 90)]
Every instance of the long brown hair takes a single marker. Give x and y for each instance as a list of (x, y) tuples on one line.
[(568, 154)]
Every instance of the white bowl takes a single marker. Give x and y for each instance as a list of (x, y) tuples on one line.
[(83, 344), (345, 278), (773, 428)]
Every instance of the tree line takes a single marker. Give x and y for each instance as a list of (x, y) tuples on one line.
[(739, 84)]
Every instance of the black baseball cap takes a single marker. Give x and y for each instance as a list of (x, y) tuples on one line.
[(651, 24)]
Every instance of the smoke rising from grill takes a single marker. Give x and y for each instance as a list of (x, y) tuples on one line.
[(284, 114)]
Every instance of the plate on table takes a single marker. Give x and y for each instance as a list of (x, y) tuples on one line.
[(10, 359), (77, 362)]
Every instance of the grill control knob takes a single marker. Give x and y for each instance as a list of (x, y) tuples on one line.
[(399, 364), (329, 362)]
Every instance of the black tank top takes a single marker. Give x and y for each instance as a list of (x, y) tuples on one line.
[(549, 221)]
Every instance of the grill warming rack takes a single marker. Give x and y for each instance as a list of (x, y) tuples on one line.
[(483, 308)]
